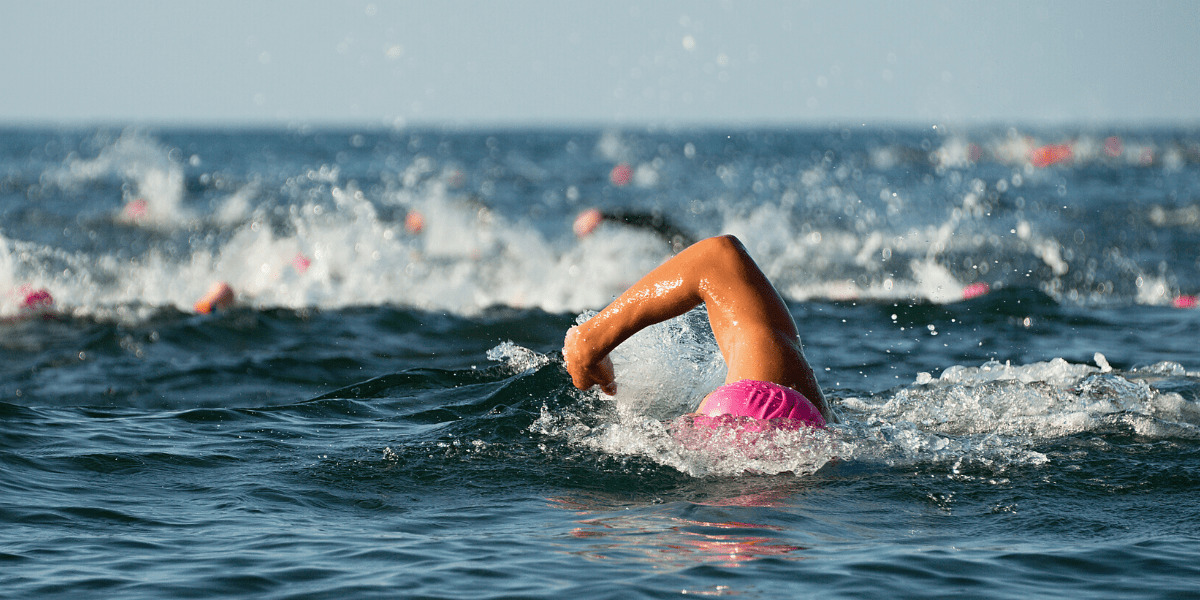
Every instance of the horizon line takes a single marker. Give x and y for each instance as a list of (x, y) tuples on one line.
[(590, 124)]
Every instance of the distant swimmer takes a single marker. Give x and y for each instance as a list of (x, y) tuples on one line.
[(975, 290), (136, 210), (31, 302), (36, 300), (414, 222), (621, 175), (301, 263), (1184, 301), (587, 222), (768, 375), (1050, 154), (218, 297)]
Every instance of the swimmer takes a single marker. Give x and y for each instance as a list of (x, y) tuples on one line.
[(36, 300), (588, 220), (768, 376), (219, 297)]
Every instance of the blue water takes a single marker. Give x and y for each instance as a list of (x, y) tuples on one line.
[(384, 413)]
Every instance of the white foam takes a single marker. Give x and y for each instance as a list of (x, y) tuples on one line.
[(471, 256), (994, 416), (663, 372), (335, 249), (518, 358), (154, 176), (1001, 412)]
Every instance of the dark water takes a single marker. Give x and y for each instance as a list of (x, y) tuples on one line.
[(384, 413)]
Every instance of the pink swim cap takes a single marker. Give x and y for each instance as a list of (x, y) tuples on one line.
[(36, 300), (761, 400)]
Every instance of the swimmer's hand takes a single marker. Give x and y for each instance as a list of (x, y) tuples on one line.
[(585, 370)]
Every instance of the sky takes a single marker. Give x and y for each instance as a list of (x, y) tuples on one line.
[(617, 62)]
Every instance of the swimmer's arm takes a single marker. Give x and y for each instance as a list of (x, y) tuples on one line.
[(587, 366), (668, 291), (587, 345), (753, 328)]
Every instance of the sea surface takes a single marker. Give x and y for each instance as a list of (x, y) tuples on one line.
[(1002, 317)]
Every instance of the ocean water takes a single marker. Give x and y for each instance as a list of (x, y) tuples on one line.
[(1003, 318)]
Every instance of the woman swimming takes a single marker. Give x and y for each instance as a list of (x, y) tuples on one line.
[(768, 376)]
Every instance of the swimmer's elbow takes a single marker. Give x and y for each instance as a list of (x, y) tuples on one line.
[(728, 243), (723, 249)]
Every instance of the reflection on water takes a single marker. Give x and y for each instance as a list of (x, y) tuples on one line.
[(723, 524), (670, 542)]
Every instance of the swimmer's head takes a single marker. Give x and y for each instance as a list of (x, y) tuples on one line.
[(219, 296), (36, 300), (414, 222), (587, 222)]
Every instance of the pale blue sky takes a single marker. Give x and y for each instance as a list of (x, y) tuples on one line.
[(548, 62)]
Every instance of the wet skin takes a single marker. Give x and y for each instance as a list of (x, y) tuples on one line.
[(754, 330)]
